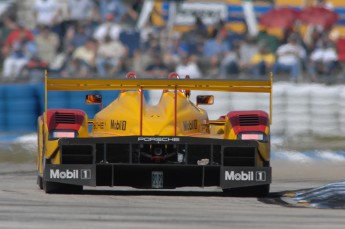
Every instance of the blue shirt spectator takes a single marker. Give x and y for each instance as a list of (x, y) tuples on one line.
[(216, 46), (76, 38), (115, 7), (24, 49), (177, 49)]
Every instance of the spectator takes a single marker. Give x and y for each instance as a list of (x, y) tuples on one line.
[(271, 41), (312, 38), (109, 27), (230, 65), (234, 37), (147, 32), (46, 12), (7, 26), (218, 28), (189, 67), (17, 33), (323, 60), (261, 63), (290, 58), (129, 19), (77, 38), (158, 15), (324, 3), (196, 37), (137, 6), (114, 7), (177, 49), (81, 11), (47, 44), (83, 60), (152, 44), (157, 69), (141, 60), (130, 39), (200, 28), (22, 50), (216, 47), (248, 49), (109, 54)]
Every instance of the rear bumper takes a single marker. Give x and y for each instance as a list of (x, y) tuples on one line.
[(169, 176), (116, 161)]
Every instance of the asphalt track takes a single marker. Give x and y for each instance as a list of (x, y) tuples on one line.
[(23, 205)]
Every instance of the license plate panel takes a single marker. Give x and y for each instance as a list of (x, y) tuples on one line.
[(157, 179)]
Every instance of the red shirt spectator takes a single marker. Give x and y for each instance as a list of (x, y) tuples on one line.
[(16, 34)]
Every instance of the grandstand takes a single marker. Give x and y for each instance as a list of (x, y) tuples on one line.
[(235, 18)]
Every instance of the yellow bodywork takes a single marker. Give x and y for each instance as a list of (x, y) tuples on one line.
[(122, 119)]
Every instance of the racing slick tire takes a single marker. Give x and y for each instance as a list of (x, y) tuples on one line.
[(253, 191), (59, 188), (40, 182)]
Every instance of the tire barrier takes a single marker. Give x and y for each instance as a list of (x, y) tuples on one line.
[(298, 109)]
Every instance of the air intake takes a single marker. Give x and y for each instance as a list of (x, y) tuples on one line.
[(65, 118), (248, 120)]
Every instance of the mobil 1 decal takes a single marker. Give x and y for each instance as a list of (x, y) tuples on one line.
[(118, 125), (190, 125)]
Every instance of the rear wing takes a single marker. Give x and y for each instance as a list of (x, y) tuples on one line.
[(255, 86)]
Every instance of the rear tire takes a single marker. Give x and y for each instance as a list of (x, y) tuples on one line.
[(40, 182), (253, 191)]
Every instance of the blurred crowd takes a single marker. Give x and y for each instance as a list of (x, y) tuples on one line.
[(99, 39)]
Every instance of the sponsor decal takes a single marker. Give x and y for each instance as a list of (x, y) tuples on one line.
[(158, 139), (85, 173), (245, 176), (209, 12), (98, 125), (118, 124), (204, 128), (70, 174), (260, 176), (190, 125)]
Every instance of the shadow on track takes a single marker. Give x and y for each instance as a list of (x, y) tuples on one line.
[(275, 198), (173, 192), (154, 193)]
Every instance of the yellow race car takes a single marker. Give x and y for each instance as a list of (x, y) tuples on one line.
[(167, 145)]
